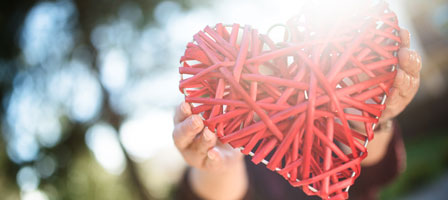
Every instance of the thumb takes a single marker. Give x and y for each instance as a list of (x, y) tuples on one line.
[(214, 159)]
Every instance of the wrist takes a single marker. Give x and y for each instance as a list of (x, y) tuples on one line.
[(228, 182)]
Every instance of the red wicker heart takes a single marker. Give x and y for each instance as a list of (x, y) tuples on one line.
[(292, 104)]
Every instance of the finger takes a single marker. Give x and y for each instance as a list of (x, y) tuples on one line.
[(182, 112), (410, 62), (405, 38), (196, 153), (185, 132), (203, 143), (396, 102), (214, 159), (402, 83)]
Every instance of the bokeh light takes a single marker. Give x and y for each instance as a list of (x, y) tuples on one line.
[(103, 141)]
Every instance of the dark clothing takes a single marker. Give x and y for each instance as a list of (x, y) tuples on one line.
[(266, 185)]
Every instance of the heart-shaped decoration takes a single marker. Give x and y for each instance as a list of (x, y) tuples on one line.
[(294, 105)]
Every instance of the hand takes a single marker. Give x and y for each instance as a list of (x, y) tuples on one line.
[(407, 80), (199, 145), (218, 171), (402, 92)]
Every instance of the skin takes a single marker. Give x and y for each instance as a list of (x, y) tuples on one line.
[(218, 171), (402, 92)]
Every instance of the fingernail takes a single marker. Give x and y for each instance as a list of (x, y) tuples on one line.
[(207, 134), (405, 56), (196, 121), (400, 77), (184, 107), (210, 155), (400, 73)]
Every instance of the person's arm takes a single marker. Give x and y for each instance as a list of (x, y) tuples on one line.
[(228, 183), (217, 171)]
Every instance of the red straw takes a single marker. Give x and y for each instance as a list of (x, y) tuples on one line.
[(292, 104)]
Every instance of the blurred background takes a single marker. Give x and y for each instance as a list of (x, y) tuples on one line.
[(88, 90)]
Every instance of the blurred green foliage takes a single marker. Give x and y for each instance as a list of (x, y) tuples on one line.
[(427, 161)]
